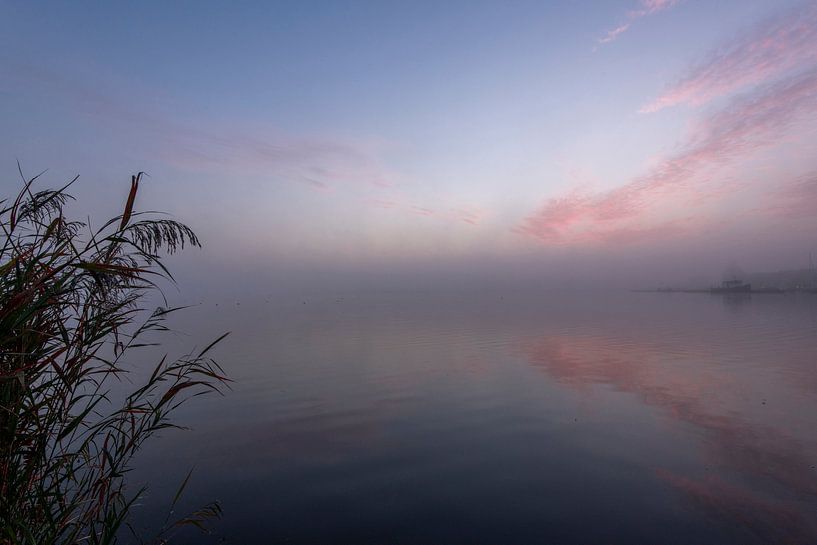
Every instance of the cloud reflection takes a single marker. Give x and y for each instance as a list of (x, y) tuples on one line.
[(766, 479)]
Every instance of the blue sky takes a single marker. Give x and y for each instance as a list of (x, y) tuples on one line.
[(405, 132)]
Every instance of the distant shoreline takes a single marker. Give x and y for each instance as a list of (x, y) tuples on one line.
[(716, 291)]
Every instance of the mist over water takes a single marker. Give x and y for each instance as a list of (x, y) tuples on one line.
[(491, 417)]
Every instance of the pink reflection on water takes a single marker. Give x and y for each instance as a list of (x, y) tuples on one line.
[(766, 480)]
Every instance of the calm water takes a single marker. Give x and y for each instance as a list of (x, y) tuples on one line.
[(504, 419)]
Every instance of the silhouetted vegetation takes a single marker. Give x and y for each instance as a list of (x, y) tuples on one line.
[(71, 315)]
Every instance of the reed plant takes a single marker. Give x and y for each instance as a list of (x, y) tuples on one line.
[(73, 314)]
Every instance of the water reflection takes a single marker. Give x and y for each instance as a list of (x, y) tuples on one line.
[(735, 301), (763, 517), (756, 470), (490, 418)]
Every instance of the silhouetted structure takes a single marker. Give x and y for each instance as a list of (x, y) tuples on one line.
[(732, 286)]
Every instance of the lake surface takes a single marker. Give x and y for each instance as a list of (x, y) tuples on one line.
[(503, 418)]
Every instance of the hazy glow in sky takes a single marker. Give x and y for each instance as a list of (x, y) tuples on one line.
[(408, 132)]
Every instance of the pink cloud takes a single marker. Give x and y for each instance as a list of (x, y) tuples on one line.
[(655, 5), (795, 200), (383, 203), (549, 222), (770, 49), (614, 33), (471, 216), (647, 7), (421, 210), (748, 124)]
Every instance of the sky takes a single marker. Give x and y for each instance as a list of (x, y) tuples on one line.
[(567, 143)]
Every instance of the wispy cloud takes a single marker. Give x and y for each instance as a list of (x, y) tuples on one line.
[(382, 203), (472, 216), (421, 210), (461, 214), (749, 123), (319, 162), (795, 200), (646, 7), (774, 68), (234, 145), (777, 45), (614, 33)]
